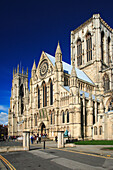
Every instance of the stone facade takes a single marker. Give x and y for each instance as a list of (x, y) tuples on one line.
[(76, 97)]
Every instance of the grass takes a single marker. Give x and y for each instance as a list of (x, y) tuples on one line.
[(107, 148), (94, 142)]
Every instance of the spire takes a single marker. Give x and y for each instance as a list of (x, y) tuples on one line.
[(13, 72), (34, 66), (27, 71), (22, 70), (58, 50), (18, 68)]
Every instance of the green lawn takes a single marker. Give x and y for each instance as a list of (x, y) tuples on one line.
[(95, 142), (107, 148)]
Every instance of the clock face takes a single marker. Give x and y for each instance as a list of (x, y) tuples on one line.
[(43, 68)]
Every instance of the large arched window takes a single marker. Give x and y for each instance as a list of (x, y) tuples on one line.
[(89, 47), (79, 52), (51, 92), (67, 116), (102, 46), (106, 82), (44, 95), (38, 97), (22, 95), (63, 117), (109, 60)]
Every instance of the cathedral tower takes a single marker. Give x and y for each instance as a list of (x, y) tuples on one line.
[(18, 101)]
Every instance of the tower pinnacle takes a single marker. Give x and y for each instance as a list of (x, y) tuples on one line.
[(58, 50), (73, 72), (34, 66)]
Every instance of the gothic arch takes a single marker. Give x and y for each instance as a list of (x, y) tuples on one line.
[(89, 46), (51, 91), (79, 52), (38, 92), (44, 94), (67, 113)]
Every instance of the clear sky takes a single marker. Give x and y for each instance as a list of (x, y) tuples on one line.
[(28, 27)]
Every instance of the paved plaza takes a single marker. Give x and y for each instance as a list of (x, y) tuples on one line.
[(80, 157)]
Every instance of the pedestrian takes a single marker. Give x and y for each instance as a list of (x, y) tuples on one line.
[(31, 139), (37, 139), (40, 138), (69, 135), (56, 138)]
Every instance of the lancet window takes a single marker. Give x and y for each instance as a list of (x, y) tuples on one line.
[(63, 117), (51, 118), (100, 130), (51, 92), (79, 52), (38, 98), (67, 116), (44, 95), (89, 47)]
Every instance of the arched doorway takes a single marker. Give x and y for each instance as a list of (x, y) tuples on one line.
[(43, 128)]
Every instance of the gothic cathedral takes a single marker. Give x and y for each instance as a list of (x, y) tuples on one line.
[(76, 97)]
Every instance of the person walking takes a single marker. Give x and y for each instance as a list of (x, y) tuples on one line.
[(56, 138), (40, 138), (37, 139), (31, 139)]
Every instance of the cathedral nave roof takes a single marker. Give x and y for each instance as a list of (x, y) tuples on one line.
[(67, 67)]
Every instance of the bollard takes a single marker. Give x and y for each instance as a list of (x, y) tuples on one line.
[(44, 144)]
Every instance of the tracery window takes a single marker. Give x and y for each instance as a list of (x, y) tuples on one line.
[(102, 45), (51, 92), (89, 47), (38, 98), (67, 116), (79, 52), (106, 82), (63, 117), (44, 95)]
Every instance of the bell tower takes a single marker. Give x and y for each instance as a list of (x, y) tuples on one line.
[(18, 101)]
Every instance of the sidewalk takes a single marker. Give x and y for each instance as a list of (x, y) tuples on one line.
[(93, 149)]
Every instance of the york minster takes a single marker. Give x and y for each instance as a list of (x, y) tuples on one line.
[(77, 97)]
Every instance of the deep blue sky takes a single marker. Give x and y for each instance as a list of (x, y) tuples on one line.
[(29, 27)]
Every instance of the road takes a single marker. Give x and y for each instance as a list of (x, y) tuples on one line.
[(57, 159)]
